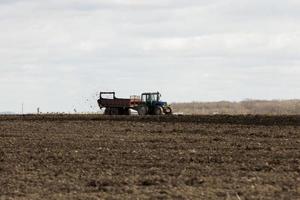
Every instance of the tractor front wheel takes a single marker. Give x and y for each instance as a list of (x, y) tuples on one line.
[(168, 111)]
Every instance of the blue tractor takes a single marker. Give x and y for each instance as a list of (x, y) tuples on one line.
[(152, 105)]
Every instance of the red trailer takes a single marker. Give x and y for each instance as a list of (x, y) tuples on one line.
[(117, 106)]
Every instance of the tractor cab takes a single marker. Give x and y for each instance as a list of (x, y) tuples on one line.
[(151, 98)]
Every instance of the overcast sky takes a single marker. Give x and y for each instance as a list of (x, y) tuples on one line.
[(58, 54)]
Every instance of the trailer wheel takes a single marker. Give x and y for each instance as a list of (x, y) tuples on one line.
[(127, 111), (114, 111), (124, 111), (107, 111)]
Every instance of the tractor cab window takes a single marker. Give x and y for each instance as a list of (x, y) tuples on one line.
[(153, 97), (150, 97)]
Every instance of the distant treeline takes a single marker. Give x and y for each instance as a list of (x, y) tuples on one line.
[(274, 107)]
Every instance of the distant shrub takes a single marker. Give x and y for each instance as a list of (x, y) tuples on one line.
[(274, 107)]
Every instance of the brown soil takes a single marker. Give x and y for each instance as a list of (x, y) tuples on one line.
[(187, 157)]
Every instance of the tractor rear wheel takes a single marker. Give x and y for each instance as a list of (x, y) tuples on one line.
[(158, 110), (142, 110)]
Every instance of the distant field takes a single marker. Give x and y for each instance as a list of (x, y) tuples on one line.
[(132, 157), (254, 107)]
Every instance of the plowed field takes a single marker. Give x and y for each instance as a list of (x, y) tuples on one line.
[(180, 157)]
